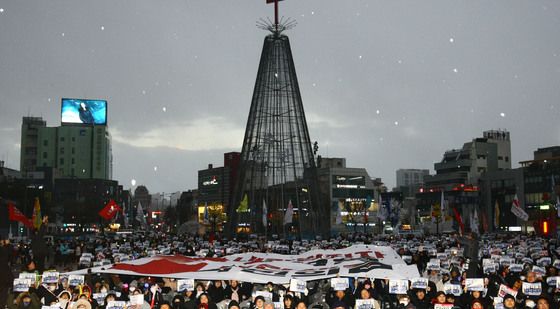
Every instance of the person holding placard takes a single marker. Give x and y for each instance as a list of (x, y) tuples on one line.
[(7, 278), (419, 299), (25, 300)]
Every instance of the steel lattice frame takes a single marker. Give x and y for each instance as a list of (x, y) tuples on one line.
[(277, 162)]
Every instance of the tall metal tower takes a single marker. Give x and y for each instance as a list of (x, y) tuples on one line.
[(277, 166)]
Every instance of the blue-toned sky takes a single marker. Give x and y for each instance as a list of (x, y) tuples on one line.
[(386, 84)]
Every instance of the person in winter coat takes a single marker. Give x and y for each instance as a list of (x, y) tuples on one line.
[(7, 278), (39, 245), (24, 300), (204, 302), (419, 299), (216, 291)]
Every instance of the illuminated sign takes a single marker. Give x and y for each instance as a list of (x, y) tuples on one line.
[(211, 182)]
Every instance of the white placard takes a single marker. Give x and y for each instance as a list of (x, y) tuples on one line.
[(532, 289), (433, 266), (298, 285), (115, 304), (539, 270), (474, 284), (419, 283), (185, 285), (30, 276), (552, 281), (99, 298), (22, 285), (50, 277), (398, 286), (136, 299), (339, 284), (556, 264), (278, 305), (516, 268), (505, 290), (443, 306), (545, 261), (75, 280), (364, 304), (454, 289), (265, 294), (490, 268)]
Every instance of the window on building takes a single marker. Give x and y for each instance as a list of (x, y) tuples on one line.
[(45, 155), (61, 150), (73, 161), (500, 158), (61, 161), (73, 150), (506, 159), (62, 138), (45, 143), (73, 139)]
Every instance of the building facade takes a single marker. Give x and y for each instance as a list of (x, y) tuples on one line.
[(409, 181), (29, 142)]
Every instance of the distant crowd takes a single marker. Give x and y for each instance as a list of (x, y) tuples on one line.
[(492, 271)]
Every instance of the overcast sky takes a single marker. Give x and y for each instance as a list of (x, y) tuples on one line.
[(386, 84)]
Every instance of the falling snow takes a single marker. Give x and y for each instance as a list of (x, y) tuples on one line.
[(451, 40), (143, 91), (360, 56), (133, 182), (62, 33), (396, 123), (155, 168), (102, 28), (377, 112), (502, 114), (399, 61), (1, 10), (164, 109), (455, 70)]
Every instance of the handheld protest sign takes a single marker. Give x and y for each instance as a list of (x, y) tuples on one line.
[(419, 283), (552, 281), (298, 285), (30, 276), (265, 294), (505, 290), (185, 285), (516, 268), (443, 306), (398, 286), (532, 289), (454, 289), (539, 270), (278, 305), (136, 299), (22, 285), (364, 304), (474, 284), (50, 277), (433, 266), (99, 298), (339, 284), (75, 280), (115, 304)]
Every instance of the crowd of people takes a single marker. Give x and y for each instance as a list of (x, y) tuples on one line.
[(492, 271)]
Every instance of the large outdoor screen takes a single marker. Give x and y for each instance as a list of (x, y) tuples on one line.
[(84, 111)]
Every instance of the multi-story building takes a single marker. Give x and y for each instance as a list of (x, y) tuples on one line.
[(215, 189), (348, 192), (76, 151), (409, 181), (29, 141)]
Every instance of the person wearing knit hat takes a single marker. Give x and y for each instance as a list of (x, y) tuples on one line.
[(233, 305)]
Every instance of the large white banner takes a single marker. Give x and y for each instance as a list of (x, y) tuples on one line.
[(378, 262)]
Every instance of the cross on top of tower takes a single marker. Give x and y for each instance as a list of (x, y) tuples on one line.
[(279, 24)]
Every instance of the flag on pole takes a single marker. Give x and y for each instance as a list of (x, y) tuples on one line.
[(338, 219), (264, 214), (15, 214), (474, 222), (205, 212), (442, 206), (244, 204), (381, 209), (496, 215), (459, 219), (37, 219), (110, 210), (517, 210), (272, 1), (288, 216), (140, 214)]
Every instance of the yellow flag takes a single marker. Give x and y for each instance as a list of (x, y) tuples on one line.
[(37, 219), (244, 205)]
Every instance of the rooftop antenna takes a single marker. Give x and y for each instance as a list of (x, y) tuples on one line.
[(279, 24)]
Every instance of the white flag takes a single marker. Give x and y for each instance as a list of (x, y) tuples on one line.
[(381, 209), (140, 214), (338, 219), (517, 210), (441, 206), (474, 222), (265, 214), (288, 216)]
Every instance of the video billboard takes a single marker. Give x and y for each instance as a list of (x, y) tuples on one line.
[(84, 111)]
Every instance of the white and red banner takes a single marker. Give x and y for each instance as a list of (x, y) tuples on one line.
[(357, 261), (517, 210)]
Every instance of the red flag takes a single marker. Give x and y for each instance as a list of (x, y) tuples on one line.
[(110, 210), (15, 215), (459, 220)]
